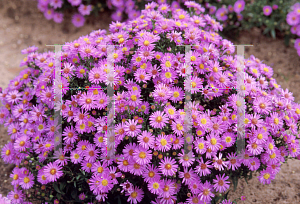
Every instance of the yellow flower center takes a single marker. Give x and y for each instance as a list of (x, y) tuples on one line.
[(228, 139), (104, 182), (203, 121), (142, 155), (179, 126), (26, 180), (176, 94), (213, 141), (163, 142), (271, 146), (158, 119), (168, 75), (134, 194), (53, 171), (168, 63), (22, 143), (267, 176), (133, 97), (155, 185)]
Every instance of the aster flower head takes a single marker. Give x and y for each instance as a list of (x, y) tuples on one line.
[(131, 128), (267, 10), (239, 6), (158, 119), (266, 176), (155, 186), (142, 156), (4, 200), (221, 14), (53, 171), (186, 159), (85, 9), (292, 18), (206, 192), (168, 166), (221, 183), (163, 143), (16, 196), (136, 196), (27, 181), (78, 20)]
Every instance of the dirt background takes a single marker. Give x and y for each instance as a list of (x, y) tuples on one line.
[(22, 25)]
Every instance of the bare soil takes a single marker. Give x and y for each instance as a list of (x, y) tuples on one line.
[(22, 25)]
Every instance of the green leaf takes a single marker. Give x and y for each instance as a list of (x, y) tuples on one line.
[(287, 40), (273, 33), (62, 186), (235, 182), (56, 187), (246, 179), (58, 196), (266, 30), (74, 194)]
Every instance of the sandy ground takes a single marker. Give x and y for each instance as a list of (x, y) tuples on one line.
[(22, 25)]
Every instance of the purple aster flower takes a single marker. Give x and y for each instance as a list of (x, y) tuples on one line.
[(91, 153), (212, 10), (13, 96), (56, 3), (168, 166), (58, 17), (87, 101), (132, 128), (78, 20), (85, 9), (186, 160), (22, 143), (267, 10), (206, 192), (158, 119), (27, 181), (53, 171), (221, 185), (219, 163), (187, 175), (275, 6), (254, 164), (163, 143), (262, 105), (239, 6), (117, 15), (142, 156), (239, 16), (49, 14), (75, 2), (16, 196), (101, 183), (266, 176), (4, 200), (221, 14)]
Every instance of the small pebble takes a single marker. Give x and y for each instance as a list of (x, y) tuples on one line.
[(17, 18)]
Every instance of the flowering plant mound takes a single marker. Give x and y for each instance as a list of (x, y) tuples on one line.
[(129, 9), (151, 163), (293, 19)]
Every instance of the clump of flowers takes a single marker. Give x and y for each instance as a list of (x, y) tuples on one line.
[(156, 160), (293, 19), (122, 9)]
